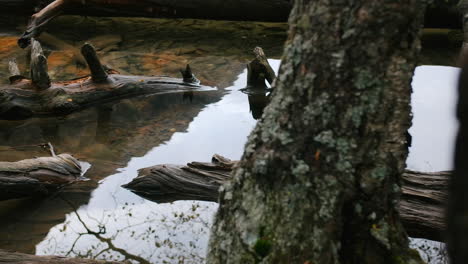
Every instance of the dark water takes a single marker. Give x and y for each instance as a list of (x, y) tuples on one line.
[(98, 218)]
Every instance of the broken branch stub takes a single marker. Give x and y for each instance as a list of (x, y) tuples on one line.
[(15, 73), (188, 76), (259, 70), (39, 68), (98, 74)]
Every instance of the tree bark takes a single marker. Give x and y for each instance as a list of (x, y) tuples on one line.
[(421, 207), (457, 210), (39, 176), (319, 180), (21, 258), (25, 98)]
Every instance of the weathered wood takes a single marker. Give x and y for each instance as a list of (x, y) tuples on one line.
[(98, 74), (421, 206), (39, 69), (22, 100), (21, 258), (196, 181), (15, 73), (259, 69), (39, 176)]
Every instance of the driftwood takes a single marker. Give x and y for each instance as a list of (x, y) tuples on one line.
[(196, 181), (21, 258), (25, 98), (421, 207), (39, 176)]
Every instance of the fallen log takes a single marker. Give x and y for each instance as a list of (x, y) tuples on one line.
[(21, 258), (37, 177), (421, 206), (38, 96)]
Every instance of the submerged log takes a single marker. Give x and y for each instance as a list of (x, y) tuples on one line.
[(421, 206), (26, 98), (21, 258), (39, 176)]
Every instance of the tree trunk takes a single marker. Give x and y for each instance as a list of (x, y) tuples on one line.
[(39, 176), (421, 208), (319, 180), (457, 211), (21, 258), (25, 98)]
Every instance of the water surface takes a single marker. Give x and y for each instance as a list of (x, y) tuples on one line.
[(98, 218)]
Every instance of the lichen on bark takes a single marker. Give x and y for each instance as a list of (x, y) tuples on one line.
[(317, 181)]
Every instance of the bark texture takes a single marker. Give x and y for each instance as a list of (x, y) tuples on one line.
[(39, 176), (457, 213), (319, 180)]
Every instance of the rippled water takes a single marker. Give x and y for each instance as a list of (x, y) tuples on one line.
[(98, 218)]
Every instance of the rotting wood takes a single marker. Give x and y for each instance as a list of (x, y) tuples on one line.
[(421, 207), (21, 258), (26, 98), (38, 176)]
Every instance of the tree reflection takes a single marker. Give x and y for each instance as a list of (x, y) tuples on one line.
[(258, 99), (139, 232)]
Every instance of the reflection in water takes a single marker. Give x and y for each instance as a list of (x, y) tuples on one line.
[(258, 99), (257, 103), (434, 122), (433, 134), (116, 224), (178, 232), (113, 136)]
